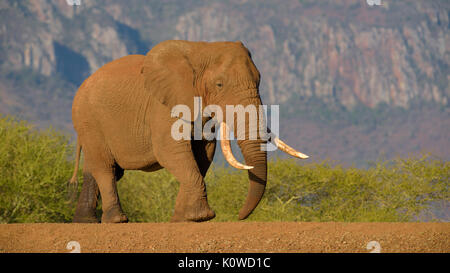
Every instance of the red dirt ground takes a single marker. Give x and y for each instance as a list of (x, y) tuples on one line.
[(226, 237)]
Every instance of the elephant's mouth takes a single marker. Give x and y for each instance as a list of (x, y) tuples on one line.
[(226, 148)]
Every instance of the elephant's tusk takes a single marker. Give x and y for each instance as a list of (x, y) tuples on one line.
[(286, 148), (226, 148)]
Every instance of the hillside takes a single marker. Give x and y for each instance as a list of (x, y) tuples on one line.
[(331, 65)]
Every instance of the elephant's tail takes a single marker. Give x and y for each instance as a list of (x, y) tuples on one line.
[(73, 182)]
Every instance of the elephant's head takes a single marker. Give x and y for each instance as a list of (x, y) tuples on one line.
[(221, 73)]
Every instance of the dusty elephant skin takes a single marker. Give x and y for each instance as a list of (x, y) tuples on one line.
[(122, 116)]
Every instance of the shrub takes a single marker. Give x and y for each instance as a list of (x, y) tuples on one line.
[(398, 190), (34, 168), (148, 197)]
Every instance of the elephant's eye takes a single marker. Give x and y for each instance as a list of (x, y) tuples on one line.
[(219, 85)]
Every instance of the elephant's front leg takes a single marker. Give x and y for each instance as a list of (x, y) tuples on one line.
[(191, 203), (177, 156)]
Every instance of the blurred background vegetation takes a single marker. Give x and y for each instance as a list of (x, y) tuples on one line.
[(35, 166)]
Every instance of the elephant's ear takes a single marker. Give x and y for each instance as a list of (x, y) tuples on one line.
[(169, 75)]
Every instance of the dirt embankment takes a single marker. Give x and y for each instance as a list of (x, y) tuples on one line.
[(227, 237)]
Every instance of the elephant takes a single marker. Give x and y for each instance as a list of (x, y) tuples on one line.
[(122, 117)]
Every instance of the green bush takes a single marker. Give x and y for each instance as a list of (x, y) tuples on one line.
[(148, 197), (34, 169), (398, 190), (35, 166)]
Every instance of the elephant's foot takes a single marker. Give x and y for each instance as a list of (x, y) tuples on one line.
[(198, 211), (85, 216), (114, 215)]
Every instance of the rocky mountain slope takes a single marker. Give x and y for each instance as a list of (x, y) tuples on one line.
[(344, 54)]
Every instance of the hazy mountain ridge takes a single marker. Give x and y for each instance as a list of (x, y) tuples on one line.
[(345, 52), (341, 53)]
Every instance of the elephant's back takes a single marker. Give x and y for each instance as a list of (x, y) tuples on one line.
[(123, 67), (120, 75), (108, 89)]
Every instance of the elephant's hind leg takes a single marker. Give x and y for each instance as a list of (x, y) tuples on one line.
[(100, 164), (112, 210), (87, 202), (204, 154), (86, 211)]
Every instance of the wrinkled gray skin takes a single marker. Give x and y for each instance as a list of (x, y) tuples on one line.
[(122, 117)]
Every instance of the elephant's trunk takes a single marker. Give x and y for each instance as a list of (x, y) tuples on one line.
[(256, 157), (257, 171), (251, 145)]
